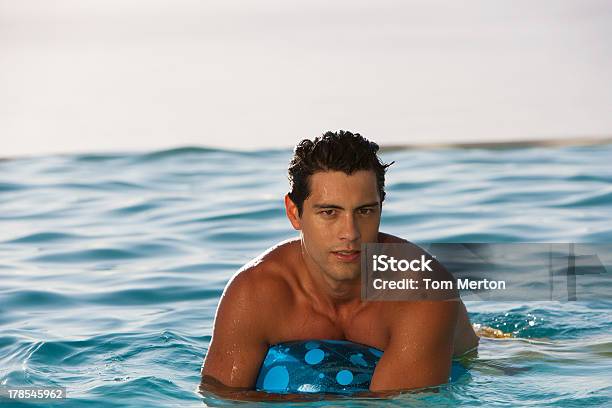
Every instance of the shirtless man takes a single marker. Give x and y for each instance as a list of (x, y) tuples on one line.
[(310, 287)]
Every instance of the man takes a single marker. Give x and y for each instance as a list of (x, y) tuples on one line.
[(310, 287)]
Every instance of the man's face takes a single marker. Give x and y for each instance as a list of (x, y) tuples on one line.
[(340, 213)]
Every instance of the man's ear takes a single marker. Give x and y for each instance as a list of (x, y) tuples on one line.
[(292, 213)]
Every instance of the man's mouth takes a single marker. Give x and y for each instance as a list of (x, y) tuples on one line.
[(347, 255)]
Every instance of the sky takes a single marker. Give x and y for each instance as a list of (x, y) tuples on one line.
[(131, 75)]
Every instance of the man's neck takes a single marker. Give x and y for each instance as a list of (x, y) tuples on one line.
[(330, 296)]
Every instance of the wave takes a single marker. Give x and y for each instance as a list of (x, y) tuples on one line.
[(589, 200), (45, 237)]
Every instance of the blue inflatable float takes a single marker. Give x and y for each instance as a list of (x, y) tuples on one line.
[(330, 366)]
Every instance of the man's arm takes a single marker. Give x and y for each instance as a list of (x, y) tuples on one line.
[(466, 338), (420, 349), (238, 345)]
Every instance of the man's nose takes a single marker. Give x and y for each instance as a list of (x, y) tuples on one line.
[(349, 229)]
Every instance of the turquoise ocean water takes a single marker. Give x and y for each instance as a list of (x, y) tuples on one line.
[(111, 266)]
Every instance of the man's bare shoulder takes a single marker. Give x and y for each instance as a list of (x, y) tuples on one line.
[(385, 238), (268, 276)]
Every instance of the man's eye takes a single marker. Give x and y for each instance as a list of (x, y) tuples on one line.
[(366, 211), (328, 213)]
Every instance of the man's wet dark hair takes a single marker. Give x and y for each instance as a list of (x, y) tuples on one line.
[(333, 151)]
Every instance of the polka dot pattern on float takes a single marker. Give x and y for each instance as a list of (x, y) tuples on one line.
[(330, 366), (321, 366), (314, 356), (344, 377), (277, 379)]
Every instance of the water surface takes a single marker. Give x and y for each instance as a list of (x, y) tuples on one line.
[(111, 266)]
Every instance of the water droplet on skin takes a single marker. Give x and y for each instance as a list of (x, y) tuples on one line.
[(234, 372)]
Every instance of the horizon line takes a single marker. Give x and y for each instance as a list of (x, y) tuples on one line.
[(492, 145)]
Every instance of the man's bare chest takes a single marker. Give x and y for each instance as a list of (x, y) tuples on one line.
[(366, 327)]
